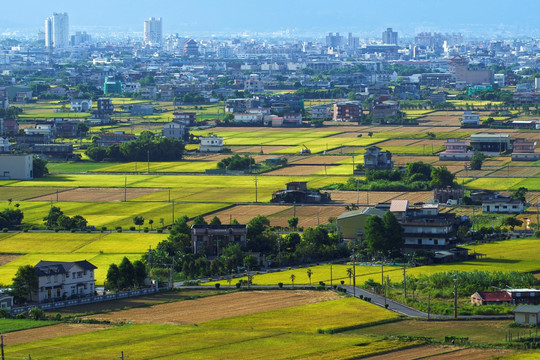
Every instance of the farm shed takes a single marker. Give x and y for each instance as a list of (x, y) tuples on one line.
[(527, 314), (491, 298)]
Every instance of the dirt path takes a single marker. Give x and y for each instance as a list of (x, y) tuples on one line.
[(216, 307), (48, 332), (441, 352)]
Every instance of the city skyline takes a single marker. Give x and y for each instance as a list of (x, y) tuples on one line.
[(499, 19)]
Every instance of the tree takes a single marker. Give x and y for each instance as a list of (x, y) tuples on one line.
[(309, 272), (199, 220), (349, 274), (393, 233), (293, 222), (25, 282), (151, 222), (250, 262), (477, 160), (113, 277), (512, 222), (374, 234), (519, 194), (52, 218), (293, 277), (138, 220), (39, 167), (126, 274), (139, 272), (215, 221), (441, 177)]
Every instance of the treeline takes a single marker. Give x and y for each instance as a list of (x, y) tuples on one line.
[(308, 93), (11, 218), (236, 162), (57, 220), (314, 244), (147, 146), (11, 113), (126, 275), (417, 177)]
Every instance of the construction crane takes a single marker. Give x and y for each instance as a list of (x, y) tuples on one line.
[(305, 150)]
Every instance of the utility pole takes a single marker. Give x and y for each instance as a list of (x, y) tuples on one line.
[(125, 188), (256, 199), (2, 345), (455, 295), (149, 259), (357, 191), (428, 305), (173, 212), (169, 195), (122, 356), (354, 271), (404, 281), (330, 274), (148, 162)]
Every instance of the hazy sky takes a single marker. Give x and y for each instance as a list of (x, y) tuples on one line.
[(363, 17)]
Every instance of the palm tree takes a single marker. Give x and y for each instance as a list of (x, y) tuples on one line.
[(349, 274), (309, 272), (292, 279)]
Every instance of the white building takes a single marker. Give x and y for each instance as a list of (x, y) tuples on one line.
[(57, 31), (470, 118), (81, 105), (61, 280), (153, 31), (502, 205), (213, 143), (17, 167), (4, 145), (248, 117)]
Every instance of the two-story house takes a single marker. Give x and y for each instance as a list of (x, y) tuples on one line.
[(60, 280)]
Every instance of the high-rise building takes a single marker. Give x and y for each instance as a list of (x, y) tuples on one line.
[(57, 31), (390, 37), (153, 31), (334, 41)]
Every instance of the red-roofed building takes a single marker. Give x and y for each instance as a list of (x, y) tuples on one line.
[(491, 298)]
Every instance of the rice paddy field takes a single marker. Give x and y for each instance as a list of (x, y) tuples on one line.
[(276, 334)]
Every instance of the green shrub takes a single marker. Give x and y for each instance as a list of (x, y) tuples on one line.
[(238, 284), (36, 314), (217, 285), (160, 231), (132, 228), (280, 285), (4, 313), (57, 317), (146, 230), (5, 230)]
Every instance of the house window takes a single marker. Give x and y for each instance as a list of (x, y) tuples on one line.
[(419, 241), (436, 242), (67, 275), (79, 274)]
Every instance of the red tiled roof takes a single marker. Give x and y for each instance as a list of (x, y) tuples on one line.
[(495, 296)]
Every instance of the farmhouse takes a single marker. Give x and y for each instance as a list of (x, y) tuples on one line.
[(212, 239), (491, 298), (212, 143), (61, 280), (376, 159), (527, 314), (502, 204), (470, 119), (525, 296), (16, 167), (455, 150), (525, 150), (297, 192)]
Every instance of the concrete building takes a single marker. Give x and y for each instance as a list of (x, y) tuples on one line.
[(254, 84), (4, 146), (347, 111), (142, 109), (376, 159), (185, 118), (490, 143), (81, 105), (210, 240), (111, 86), (175, 131), (525, 150), (321, 112), (502, 204), (382, 108), (153, 31), (469, 74), (57, 31), (212, 143), (61, 152), (248, 117), (80, 38), (17, 167), (390, 37), (59, 280), (470, 119), (191, 48), (334, 41), (455, 150)]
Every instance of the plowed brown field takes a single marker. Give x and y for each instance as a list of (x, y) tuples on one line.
[(216, 307)]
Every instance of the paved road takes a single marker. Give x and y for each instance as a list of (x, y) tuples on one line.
[(411, 312)]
